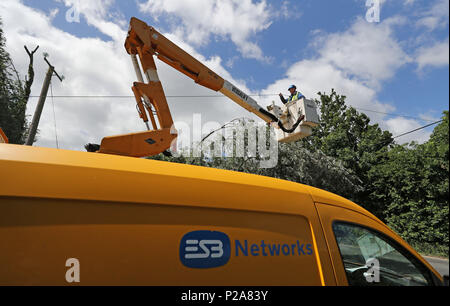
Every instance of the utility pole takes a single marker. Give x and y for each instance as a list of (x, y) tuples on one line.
[(42, 97)]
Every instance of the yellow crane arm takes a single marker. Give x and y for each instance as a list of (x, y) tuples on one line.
[(144, 42)]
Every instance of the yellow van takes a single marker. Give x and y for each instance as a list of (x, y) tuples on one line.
[(69, 217)]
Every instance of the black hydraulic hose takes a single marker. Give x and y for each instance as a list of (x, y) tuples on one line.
[(275, 119)]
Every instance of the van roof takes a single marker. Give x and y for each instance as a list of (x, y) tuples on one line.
[(56, 173)]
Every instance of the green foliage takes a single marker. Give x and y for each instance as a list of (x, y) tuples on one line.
[(416, 180), (348, 136), (12, 98), (299, 164), (295, 163)]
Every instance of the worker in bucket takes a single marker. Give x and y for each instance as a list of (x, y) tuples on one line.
[(295, 95)]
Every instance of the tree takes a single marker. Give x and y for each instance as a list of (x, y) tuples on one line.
[(348, 136), (295, 163), (30, 79), (436, 179), (14, 95), (299, 164), (416, 179)]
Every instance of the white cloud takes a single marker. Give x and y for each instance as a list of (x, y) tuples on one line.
[(237, 20), (436, 17), (288, 10), (434, 56), (400, 125), (430, 116), (367, 51), (355, 63), (312, 76), (53, 13), (97, 13), (91, 67)]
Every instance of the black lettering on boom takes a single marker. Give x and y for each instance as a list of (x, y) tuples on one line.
[(239, 93)]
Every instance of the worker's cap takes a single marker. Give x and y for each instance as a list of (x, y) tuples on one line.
[(292, 86)]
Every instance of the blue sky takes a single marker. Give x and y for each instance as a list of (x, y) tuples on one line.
[(397, 66)]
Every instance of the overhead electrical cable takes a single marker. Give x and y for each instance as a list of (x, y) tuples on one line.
[(217, 96)]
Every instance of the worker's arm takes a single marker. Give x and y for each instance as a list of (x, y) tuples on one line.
[(282, 99)]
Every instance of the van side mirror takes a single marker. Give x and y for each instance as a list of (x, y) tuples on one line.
[(446, 280)]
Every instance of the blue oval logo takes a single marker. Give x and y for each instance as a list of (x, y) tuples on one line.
[(205, 249)]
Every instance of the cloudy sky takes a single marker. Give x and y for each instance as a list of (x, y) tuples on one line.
[(395, 70)]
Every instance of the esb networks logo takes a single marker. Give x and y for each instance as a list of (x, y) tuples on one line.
[(205, 249), (210, 249)]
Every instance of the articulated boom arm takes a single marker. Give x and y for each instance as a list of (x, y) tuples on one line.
[(145, 42)]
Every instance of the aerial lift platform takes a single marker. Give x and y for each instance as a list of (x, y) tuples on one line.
[(292, 121)]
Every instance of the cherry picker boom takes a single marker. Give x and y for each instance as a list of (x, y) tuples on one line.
[(292, 121)]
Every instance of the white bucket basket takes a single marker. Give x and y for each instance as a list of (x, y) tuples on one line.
[(289, 114)]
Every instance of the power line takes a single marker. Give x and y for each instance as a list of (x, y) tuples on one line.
[(168, 96), (420, 128), (220, 96), (391, 114)]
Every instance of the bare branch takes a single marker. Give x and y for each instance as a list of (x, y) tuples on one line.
[(30, 54), (29, 80)]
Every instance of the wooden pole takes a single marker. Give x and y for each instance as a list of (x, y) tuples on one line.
[(40, 105)]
